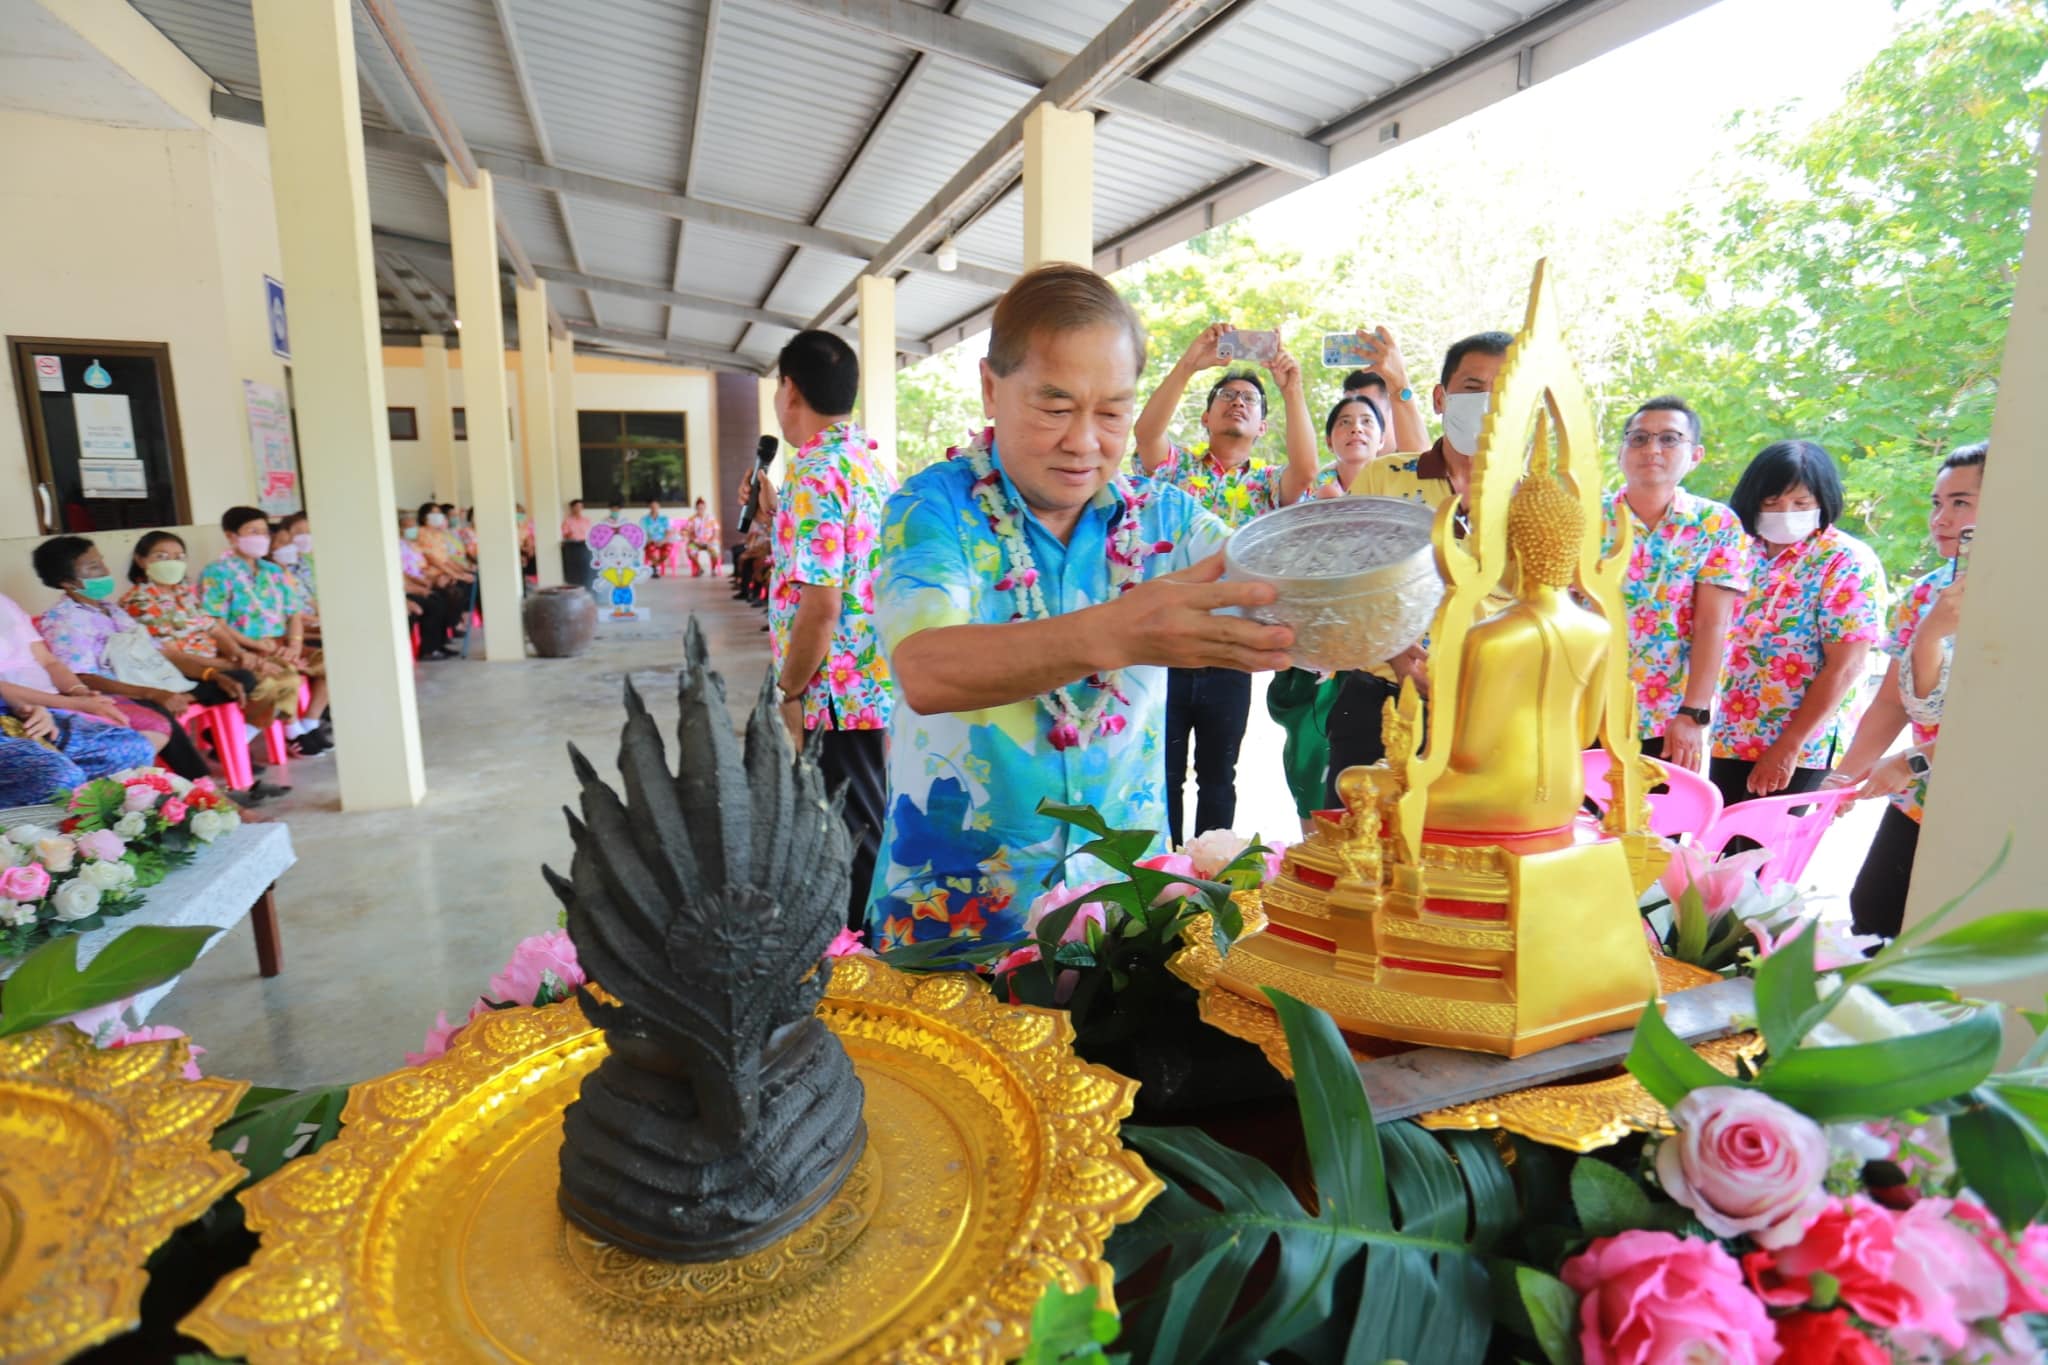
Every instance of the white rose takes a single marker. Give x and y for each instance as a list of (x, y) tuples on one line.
[(133, 825), (1862, 1016), (230, 821), (207, 825), (1214, 851), (179, 785), (16, 913), (29, 835), (107, 876), (13, 854), (57, 853), (76, 899)]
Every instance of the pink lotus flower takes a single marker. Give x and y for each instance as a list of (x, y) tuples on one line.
[(1276, 857), (1090, 912), (521, 981), (1213, 850), (103, 845), (1745, 1163), (1648, 1298), (1064, 736), (846, 943), (29, 882), (161, 1033), (1720, 884), (438, 1038), (1179, 865), (175, 811)]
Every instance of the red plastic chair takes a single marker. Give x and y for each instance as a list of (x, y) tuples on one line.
[(1689, 806), (222, 728), (1791, 827)]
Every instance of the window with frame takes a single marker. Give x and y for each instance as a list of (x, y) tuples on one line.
[(634, 457), (404, 423)]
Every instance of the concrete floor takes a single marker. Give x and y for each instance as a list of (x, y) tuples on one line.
[(391, 916)]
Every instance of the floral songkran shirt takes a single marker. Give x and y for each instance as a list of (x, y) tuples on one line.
[(1828, 589), (702, 531), (256, 599), (657, 528), (171, 613), (1907, 613), (1328, 477), (78, 634), (410, 561), (1696, 541), (1235, 495), (964, 850), (828, 533)]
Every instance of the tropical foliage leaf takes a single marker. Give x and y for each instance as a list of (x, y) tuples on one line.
[(49, 984)]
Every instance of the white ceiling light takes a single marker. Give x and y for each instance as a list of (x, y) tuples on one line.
[(948, 255)]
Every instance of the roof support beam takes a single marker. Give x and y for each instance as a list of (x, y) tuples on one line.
[(406, 298), (603, 189), (707, 46), (663, 347), (527, 100), (1034, 63), (1142, 32)]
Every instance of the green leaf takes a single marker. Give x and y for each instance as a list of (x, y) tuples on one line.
[(1787, 1004), (1983, 952), (268, 1132), (1667, 1068), (1068, 1325), (1553, 1313), (1336, 1120), (1878, 1080), (1607, 1200), (49, 985), (2002, 1155), (1692, 926)]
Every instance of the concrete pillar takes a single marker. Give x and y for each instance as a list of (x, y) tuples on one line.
[(1059, 186), (1989, 759), (472, 230), (438, 422), (568, 441), (306, 53), (537, 425), (878, 365)]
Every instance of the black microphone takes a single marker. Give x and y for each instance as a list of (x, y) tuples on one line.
[(764, 455)]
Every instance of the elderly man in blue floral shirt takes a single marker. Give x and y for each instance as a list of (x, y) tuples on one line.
[(1031, 599)]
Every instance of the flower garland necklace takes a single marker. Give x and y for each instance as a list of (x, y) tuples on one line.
[(1072, 724)]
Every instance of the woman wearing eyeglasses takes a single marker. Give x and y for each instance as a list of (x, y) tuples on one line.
[(1801, 637)]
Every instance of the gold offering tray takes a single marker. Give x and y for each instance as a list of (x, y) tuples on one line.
[(428, 1230), (1583, 1114), (103, 1154)]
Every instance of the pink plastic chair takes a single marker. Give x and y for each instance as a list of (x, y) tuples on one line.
[(222, 727), (1689, 806), (1770, 821)]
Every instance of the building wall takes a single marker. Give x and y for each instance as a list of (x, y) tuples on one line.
[(138, 234)]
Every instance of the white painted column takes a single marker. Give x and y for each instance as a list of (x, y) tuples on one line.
[(306, 53), (1993, 749), (437, 423), (537, 426), (473, 232), (877, 295), (568, 442), (1059, 186)]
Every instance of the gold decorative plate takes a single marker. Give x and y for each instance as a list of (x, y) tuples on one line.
[(1582, 1116), (428, 1230), (103, 1154)]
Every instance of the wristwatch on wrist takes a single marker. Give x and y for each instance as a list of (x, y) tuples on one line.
[(1407, 394), (1918, 763), (1703, 715)]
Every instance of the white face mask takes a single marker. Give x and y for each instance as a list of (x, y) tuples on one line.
[(253, 546), (286, 555), (1787, 528), (1464, 415), (437, 519), (304, 540)]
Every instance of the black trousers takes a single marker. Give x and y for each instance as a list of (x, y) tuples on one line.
[(432, 620), (1211, 704), (1731, 775), (211, 693), (1355, 720), (854, 762), (1877, 904), (180, 755)]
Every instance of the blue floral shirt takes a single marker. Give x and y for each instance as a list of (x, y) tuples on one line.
[(964, 850)]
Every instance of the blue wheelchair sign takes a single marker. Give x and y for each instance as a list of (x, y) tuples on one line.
[(273, 304)]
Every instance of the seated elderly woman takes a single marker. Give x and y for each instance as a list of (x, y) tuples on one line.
[(55, 732), (203, 648), (101, 647), (255, 599), (450, 588)]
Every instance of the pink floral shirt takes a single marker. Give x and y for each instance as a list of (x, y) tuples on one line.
[(828, 533), (1907, 613), (1828, 589), (1695, 542)]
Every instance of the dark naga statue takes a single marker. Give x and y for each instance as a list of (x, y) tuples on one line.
[(726, 1113)]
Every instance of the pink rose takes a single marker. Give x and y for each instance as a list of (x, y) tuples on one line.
[(1745, 1163), (29, 882), (846, 943), (202, 784), (2024, 1260), (139, 797), (1956, 1278), (175, 811), (1855, 1241), (520, 982), (1649, 1297), (103, 845), (158, 1033), (1720, 883), (438, 1038), (1178, 864)]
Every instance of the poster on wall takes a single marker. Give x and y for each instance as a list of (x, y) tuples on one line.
[(270, 437), (106, 426), (112, 479)]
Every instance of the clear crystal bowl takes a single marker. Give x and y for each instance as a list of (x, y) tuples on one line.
[(1356, 576)]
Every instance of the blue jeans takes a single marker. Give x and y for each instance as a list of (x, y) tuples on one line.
[(1211, 704)]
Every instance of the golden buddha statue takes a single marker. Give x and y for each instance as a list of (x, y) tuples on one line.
[(1463, 897)]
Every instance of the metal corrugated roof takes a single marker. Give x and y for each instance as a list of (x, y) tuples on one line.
[(825, 129)]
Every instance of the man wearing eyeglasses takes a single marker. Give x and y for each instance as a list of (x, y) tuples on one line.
[(1688, 568)]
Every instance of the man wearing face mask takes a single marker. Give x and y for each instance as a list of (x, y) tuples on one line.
[(1463, 397)]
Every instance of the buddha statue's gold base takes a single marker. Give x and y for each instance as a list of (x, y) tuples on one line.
[(1494, 944)]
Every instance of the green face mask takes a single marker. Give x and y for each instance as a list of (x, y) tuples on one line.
[(98, 589)]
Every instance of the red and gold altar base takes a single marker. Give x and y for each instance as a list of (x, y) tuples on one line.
[(1462, 898)]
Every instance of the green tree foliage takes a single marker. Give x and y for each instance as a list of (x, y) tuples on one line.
[(1855, 288), (935, 409)]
